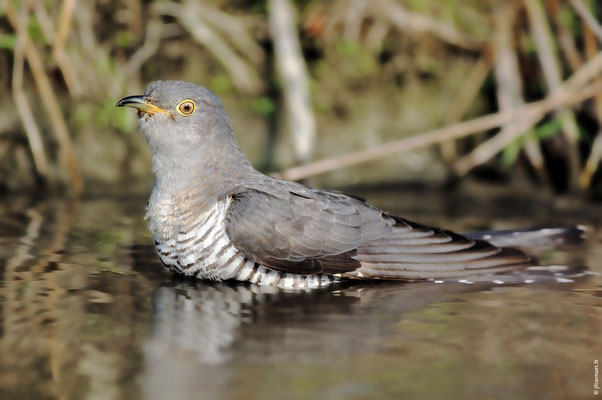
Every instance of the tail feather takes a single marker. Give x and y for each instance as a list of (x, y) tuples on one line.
[(416, 252), (376, 272), (533, 239), (439, 254), (537, 274)]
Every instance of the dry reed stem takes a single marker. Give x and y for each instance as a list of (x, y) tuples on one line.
[(419, 24), (588, 18), (561, 99), (242, 74), (565, 39), (49, 100), (44, 20), (292, 71), (543, 37), (570, 93), (462, 101), (235, 28), (354, 17), (29, 123), (509, 86), (593, 161), (58, 47), (147, 50), (488, 149)]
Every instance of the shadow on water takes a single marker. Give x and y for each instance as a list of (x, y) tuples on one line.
[(87, 312)]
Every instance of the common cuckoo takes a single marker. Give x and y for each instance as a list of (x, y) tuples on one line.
[(213, 216)]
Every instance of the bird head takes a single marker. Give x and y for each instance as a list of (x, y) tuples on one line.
[(185, 126), (175, 105)]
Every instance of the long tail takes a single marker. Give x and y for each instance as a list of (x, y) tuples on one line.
[(532, 239), (416, 252)]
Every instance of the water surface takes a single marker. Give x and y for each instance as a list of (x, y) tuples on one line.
[(86, 312)]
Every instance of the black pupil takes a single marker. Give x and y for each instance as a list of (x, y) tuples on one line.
[(186, 107)]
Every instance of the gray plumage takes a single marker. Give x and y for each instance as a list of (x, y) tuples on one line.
[(213, 216)]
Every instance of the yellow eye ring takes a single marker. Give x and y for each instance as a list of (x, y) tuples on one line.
[(186, 108)]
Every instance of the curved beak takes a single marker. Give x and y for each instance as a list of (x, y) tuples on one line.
[(141, 103)]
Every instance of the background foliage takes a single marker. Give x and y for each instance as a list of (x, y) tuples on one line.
[(377, 71)]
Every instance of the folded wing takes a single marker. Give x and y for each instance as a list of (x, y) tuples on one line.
[(294, 229)]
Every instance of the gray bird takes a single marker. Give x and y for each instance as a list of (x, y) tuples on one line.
[(213, 216)]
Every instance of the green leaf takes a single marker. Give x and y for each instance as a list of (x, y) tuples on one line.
[(8, 41), (264, 106), (35, 32), (548, 129), (124, 39), (543, 131), (347, 48), (220, 84), (510, 153)]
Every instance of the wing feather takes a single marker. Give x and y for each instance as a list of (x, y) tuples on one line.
[(290, 228)]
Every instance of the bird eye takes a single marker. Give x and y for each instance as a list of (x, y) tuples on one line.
[(186, 107)]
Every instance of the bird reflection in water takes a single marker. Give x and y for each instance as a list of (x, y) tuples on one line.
[(201, 333)]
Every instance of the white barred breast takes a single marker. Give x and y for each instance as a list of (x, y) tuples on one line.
[(203, 250)]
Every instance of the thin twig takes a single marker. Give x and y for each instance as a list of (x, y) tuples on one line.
[(43, 19), (29, 123), (565, 38), (551, 71), (49, 101), (419, 24), (353, 20), (58, 46), (470, 89), (462, 101), (595, 155), (243, 76), (509, 93), (235, 28), (592, 162), (587, 17), (147, 50), (488, 149)]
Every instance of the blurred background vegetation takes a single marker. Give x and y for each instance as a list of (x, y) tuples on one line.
[(383, 90)]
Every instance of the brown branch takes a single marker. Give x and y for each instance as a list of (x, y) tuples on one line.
[(58, 47), (242, 74), (564, 36), (566, 98), (419, 24), (29, 123), (354, 17), (566, 95), (595, 156), (462, 101), (551, 71), (592, 162), (470, 89), (148, 49), (43, 20), (509, 94), (488, 149), (235, 28), (587, 17), (49, 100)]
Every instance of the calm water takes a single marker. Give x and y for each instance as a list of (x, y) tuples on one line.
[(86, 312)]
